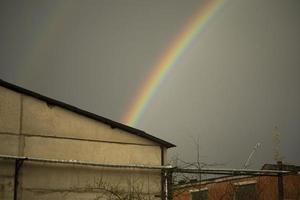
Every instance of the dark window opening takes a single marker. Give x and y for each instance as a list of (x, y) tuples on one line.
[(245, 192), (200, 195)]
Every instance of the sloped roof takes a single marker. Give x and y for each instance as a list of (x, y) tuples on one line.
[(111, 123)]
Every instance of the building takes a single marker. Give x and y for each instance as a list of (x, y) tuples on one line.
[(51, 150), (242, 187)]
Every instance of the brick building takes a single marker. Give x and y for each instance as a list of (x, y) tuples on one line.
[(242, 187)]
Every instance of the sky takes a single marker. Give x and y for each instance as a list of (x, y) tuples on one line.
[(235, 82)]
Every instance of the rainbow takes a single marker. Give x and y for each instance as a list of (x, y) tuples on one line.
[(168, 60)]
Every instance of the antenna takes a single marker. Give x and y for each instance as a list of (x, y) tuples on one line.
[(251, 154)]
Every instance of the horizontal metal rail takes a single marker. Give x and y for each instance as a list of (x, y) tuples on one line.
[(231, 171), (78, 162), (165, 167)]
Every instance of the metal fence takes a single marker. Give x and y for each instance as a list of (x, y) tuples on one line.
[(35, 178)]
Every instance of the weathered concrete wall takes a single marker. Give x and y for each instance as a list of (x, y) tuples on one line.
[(9, 144), (88, 182), (6, 180), (30, 127), (39, 118), (100, 152), (10, 109), (74, 182)]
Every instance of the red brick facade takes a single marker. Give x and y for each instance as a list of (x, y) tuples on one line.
[(229, 188)]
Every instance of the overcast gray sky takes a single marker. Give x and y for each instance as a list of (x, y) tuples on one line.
[(238, 80)]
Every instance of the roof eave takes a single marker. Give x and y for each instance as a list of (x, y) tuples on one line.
[(111, 123)]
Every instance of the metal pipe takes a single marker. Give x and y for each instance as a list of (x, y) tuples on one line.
[(170, 184), (162, 177), (9, 157), (280, 183), (166, 167), (16, 180), (231, 171), (18, 165), (166, 185)]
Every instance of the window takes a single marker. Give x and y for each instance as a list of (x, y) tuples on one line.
[(199, 194), (245, 191)]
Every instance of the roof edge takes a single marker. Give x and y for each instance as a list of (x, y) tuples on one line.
[(109, 122)]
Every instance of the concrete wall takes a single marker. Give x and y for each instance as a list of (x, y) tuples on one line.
[(74, 182), (6, 180), (32, 128), (10, 110)]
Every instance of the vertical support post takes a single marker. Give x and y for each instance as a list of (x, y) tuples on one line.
[(18, 164), (169, 184), (163, 177), (163, 185), (280, 182)]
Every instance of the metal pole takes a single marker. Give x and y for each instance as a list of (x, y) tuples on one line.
[(163, 185), (280, 182), (16, 180), (166, 196), (18, 164), (232, 172), (169, 175)]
